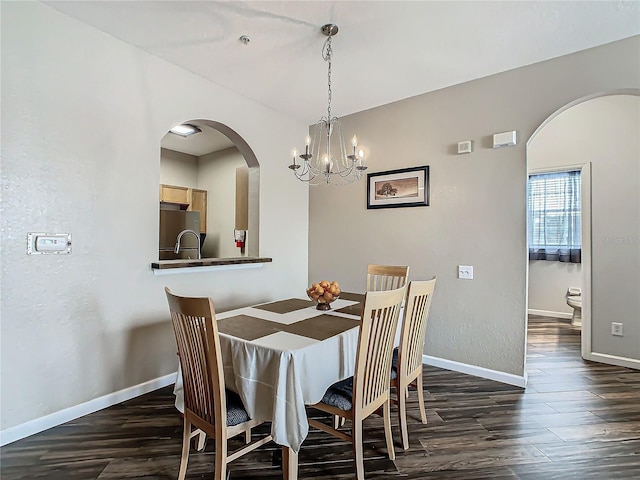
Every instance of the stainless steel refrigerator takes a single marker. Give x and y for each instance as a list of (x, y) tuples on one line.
[(172, 222)]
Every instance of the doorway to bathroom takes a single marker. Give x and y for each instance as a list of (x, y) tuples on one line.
[(599, 136), (549, 280), (554, 217), (557, 219)]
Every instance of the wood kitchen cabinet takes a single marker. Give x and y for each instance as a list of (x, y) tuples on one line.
[(193, 199), (198, 203), (174, 194)]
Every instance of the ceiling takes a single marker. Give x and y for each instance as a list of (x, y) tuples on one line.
[(385, 50), (209, 140)]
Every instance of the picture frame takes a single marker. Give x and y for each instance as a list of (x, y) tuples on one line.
[(406, 187)]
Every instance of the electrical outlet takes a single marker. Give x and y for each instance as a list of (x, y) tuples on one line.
[(465, 272), (616, 329)]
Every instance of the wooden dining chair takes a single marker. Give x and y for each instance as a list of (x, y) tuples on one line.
[(368, 390), (208, 406), (407, 358), (379, 278), (386, 277)]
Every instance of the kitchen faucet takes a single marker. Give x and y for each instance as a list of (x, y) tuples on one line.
[(177, 250)]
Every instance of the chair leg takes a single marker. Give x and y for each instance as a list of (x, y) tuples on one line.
[(247, 436), (338, 421), (386, 408), (202, 437), (402, 418), (186, 440), (358, 454), (423, 414), (221, 458)]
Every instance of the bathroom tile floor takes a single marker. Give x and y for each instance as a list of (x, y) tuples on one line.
[(576, 420)]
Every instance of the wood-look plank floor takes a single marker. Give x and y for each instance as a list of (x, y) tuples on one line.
[(576, 420)]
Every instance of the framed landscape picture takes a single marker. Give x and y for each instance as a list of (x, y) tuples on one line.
[(407, 187)]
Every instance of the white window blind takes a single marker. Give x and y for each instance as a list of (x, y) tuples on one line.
[(554, 208)]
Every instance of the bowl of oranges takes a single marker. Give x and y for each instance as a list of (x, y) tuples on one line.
[(324, 293)]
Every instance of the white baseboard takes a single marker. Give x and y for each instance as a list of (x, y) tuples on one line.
[(613, 360), (508, 378), (549, 313), (32, 427)]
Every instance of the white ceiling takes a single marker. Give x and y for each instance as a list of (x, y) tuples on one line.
[(385, 50), (209, 140)]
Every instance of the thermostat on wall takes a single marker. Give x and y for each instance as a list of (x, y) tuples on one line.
[(48, 243), (504, 139)]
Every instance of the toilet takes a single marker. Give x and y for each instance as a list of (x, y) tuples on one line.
[(574, 300)]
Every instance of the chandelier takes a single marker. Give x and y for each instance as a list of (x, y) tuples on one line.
[(323, 161)]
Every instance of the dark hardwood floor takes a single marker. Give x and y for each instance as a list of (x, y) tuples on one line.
[(576, 420)]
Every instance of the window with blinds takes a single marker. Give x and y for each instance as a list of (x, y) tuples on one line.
[(554, 209)]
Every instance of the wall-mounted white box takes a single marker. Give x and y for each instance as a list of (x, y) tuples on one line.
[(465, 146), (48, 243), (504, 139)]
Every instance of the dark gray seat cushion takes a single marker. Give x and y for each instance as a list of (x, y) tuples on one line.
[(340, 395), (394, 364), (236, 414)]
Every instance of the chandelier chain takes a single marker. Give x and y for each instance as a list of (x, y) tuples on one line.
[(327, 56)]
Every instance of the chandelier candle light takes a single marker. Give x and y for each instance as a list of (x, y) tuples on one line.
[(319, 165)]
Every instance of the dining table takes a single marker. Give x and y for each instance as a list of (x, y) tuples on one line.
[(283, 355)]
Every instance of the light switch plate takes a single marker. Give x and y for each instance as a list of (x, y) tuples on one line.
[(465, 272)]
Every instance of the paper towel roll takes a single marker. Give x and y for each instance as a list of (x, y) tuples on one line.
[(574, 291)]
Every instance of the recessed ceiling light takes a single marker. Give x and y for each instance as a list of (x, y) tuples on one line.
[(185, 130)]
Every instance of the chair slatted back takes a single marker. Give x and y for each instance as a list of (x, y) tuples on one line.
[(386, 277), (198, 344), (414, 324), (375, 346)]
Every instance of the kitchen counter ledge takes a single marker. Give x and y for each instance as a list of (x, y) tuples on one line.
[(204, 264)]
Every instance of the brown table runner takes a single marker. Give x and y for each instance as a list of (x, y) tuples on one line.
[(319, 327)]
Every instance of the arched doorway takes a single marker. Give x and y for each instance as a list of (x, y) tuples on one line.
[(600, 135)]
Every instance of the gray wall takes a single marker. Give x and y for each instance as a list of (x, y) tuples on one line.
[(177, 168), (477, 212), (548, 284), (83, 116)]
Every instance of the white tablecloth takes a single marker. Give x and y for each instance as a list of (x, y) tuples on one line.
[(278, 374)]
